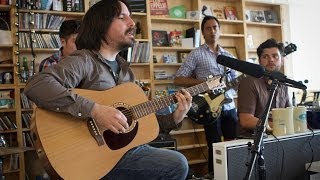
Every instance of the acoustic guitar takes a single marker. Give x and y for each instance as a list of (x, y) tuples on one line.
[(72, 148)]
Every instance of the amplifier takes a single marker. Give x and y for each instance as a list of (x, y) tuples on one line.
[(284, 159)]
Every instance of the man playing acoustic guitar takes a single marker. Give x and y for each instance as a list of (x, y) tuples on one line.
[(106, 30)]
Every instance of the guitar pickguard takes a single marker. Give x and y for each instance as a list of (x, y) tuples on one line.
[(207, 108)]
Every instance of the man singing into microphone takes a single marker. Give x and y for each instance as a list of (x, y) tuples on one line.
[(253, 93)]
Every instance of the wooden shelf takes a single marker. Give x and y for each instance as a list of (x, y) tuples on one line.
[(139, 64), (232, 35), (3, 110), (263, 24), (186, 131), (166, 64), (6, 86), (60, 13), (39, 50), (138, 14), (6, 65), (163, 81), (6, 46), (197, 161), (192, 146), (172, 20), (9, 131), (172, 48), (40, 30), (5, 7)]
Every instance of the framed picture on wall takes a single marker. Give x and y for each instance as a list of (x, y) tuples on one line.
[(232, 50), (182, 56)]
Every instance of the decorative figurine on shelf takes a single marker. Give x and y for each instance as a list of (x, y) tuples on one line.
[(7, 77), (138, 31), (154, 59)]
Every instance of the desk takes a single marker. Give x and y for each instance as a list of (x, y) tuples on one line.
[(230, 157)]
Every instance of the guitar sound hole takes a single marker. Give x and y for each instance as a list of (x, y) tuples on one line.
[(116, 141), (127, 113)]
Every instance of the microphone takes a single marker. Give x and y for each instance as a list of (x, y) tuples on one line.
[(257, 71), (251, 69), (283, 78)]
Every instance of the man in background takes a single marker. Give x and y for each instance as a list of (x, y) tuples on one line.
[(68, 33), (199, 65), (253, 93)]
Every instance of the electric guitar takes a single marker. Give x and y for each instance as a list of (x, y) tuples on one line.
[(206, 108), (73, 148)]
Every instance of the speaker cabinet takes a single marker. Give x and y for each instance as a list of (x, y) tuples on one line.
[(284, 158)]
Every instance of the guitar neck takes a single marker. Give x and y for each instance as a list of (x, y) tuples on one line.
[(154, 105), (234, 82)]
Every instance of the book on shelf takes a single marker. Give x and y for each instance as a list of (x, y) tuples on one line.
[(137, 5), (26, 117), (206, 10), (193, 15), (3, 125), (5, 20), (175, 38), (139, 53), (57, 5), (247, 15), (250, 41), (10, 124), (14, 161), (271, 16), (28, 142), (230, 12), (159, 7), (160, 38), (195, 34), (218, 13), (6, 98), (178, 12), (5, 32), (46, 4), (257, 16)]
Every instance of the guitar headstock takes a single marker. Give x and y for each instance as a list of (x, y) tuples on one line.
[(215, 83), (290, 48)]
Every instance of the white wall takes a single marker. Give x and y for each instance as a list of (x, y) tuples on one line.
[(304, 23)]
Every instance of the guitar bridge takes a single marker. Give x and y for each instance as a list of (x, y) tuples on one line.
[(94, 131)]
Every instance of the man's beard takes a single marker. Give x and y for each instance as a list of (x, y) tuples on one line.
[(126, 45)]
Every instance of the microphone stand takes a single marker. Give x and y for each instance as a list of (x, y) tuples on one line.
[(258, 144)]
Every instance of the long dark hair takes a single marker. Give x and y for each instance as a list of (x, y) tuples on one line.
[(96, 23)]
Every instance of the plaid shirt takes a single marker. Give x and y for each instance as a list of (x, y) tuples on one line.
[(49, 61), (201, 62)]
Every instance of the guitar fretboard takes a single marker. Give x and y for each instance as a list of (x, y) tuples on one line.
[(154, 105)]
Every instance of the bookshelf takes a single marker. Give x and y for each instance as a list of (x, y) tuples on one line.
[(190, 138), (25, 21), (13, 163)]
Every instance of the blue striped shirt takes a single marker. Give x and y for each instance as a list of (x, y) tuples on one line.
[(201, 62)]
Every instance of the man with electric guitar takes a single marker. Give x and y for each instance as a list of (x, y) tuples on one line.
[(200, 64), (253, 93), (91, 120)]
